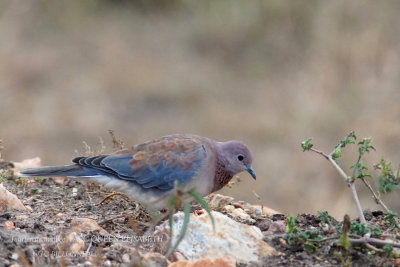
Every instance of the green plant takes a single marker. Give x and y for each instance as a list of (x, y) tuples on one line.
[(391, 217), (387, 181), (306, 239), (325, 218), (388, 250), (174, 202)]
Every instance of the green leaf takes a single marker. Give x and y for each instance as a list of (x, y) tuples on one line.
[(171, 227), (349, 139), (290, 224), (324, 217), (376, 231), (306, 145), (309, 247), (344, 242), (186, 218), (359, 228), (388, 249), (337, 153), (391, 217), (205, 206)]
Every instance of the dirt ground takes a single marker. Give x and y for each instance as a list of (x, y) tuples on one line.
[(36, 239)]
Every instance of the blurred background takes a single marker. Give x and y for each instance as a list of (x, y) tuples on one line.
[(269, 73)]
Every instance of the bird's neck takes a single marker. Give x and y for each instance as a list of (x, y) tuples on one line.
[(222, 176)]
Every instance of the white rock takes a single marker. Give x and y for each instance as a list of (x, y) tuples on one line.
[(231, 239), (218, 201), (74, 192), (126, 258), (107, 263), (242, 215), (14, 256), (10, 202), (229, 208)]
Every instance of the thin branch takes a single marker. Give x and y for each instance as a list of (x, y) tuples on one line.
[(373, 241), (320, 152), (352, 186), (378, 200), (353, 177), (349, 182), (376, 197)]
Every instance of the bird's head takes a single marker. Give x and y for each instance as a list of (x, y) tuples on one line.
[(236, 157)]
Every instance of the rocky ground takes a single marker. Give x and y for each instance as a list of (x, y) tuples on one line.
[(69, 223)]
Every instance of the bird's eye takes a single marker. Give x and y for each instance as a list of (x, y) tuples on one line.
[(240, 157)]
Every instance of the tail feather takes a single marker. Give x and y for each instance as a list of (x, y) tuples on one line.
[(68, 170)]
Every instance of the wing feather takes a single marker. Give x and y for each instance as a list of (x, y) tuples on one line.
[(156, 163)]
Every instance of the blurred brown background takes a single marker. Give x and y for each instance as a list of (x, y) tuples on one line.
[(269, 73)]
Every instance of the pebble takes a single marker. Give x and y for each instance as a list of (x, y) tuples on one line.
[(126, 258), (9, 225), (86, 224), (241, 214), (74, 192), (87, 263), (75, 243)]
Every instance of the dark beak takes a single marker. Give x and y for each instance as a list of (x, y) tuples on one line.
[(251, 171)]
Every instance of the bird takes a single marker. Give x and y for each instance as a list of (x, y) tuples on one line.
[(148, 172)]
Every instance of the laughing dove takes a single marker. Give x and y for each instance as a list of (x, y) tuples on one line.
[(147, 172)]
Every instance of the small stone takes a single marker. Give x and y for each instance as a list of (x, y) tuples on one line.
[(85, 225), (218, 201), (87, 263), (238, 205), (266, 211), (9, 225), (9, 201), (277, 227), (264, 224), (75, 243), (14, 256), (28, 208), (107, 263), (74, 192), (257, 211), (14, 265), (59, 180), (229, 208), (126, 258), (60, 216), (242, 215)]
